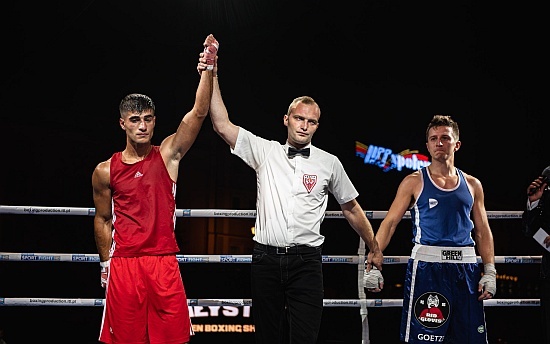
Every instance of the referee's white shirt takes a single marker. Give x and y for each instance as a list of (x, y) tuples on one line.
[(292, 193)]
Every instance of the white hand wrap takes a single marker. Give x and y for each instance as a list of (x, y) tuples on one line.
[(372, 279), (104, 272), (489, 279)]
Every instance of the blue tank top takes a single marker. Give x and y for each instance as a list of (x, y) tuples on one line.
[(441, 217)]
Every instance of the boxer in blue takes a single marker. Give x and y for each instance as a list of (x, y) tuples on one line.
[(444, 287)]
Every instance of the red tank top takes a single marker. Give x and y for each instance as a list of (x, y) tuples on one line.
[(144, 207)]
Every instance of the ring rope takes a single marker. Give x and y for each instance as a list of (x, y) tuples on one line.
[(378, 303), (237, 258), (371, 214)]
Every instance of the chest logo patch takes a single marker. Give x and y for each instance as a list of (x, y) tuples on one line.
[(309, 181)]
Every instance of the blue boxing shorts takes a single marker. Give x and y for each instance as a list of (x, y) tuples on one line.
[(440, 302)]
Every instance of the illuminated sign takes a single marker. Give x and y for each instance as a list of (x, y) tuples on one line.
[(387, 160), (221, 319)]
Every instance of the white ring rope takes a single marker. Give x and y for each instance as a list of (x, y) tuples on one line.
[(371, 214), (242, 258), (37, 301)]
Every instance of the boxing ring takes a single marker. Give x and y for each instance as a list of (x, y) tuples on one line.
[(362, 303)]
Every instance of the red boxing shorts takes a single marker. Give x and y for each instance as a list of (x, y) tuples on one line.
[(145, 302)]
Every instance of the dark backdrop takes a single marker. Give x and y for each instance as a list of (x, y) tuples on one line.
[(379, 70)]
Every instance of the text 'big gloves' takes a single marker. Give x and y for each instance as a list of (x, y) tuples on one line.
[(489, 279)]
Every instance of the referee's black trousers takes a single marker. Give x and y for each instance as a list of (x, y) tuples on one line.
[(287, 294)]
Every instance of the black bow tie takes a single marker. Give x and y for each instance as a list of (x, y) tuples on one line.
[(292, 152)]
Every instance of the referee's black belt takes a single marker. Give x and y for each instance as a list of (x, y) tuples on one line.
[(286, 250)]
